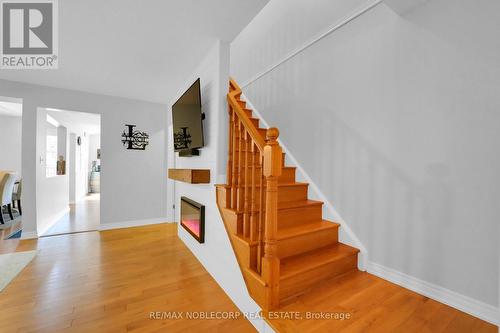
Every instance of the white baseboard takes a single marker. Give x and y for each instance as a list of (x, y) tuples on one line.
[(28, 234), (129, 224), (461, 302)]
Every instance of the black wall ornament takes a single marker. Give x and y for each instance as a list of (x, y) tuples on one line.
[(134, 140)]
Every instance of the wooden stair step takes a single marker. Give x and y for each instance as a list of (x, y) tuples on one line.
[(295, 191), (304, 262), (255, 122), (302, 272), (294, 213), (287, 191), (306, 237)]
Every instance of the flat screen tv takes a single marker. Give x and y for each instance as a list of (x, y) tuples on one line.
[(187, 119)]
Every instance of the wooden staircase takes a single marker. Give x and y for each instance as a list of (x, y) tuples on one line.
[(283, 245)]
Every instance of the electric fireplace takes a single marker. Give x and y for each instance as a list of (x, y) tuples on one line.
[(193, 218)]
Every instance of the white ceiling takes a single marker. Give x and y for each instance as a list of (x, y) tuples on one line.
[(137, 49), (77, 122), (11, 109)]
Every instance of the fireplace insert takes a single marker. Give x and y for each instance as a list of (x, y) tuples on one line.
[(193, 218)]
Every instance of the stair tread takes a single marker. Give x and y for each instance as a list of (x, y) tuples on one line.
[(298, 203), (305, 229), (303, 262)]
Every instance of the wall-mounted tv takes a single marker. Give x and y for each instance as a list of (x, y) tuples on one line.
[(187, 119)]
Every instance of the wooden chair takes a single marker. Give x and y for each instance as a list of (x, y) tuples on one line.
[(16, 197)]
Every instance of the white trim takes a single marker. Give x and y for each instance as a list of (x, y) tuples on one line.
[(54, 219), (370, 4), (28, 234), (352, 239), (129, 224), (461, 302)]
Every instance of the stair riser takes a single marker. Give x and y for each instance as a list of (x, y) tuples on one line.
[(223, 197), (307, 242), (289, 217), (301, 283), (233, 222), (247, 255), (285, 194), (292, 193), (300, 215)]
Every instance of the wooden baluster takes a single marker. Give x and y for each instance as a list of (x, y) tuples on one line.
[(260, 228), (271, 262), (229, 169), (253, 214), (246, 210), (241, 193), (234, 186)]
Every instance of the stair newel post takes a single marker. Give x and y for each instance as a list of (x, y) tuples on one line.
[(271, 264)]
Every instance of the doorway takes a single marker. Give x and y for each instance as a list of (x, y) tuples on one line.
[(10, 167), (77, 162)]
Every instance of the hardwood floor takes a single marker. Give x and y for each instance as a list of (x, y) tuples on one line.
[(83, 216), (111, 281), (373, 305)]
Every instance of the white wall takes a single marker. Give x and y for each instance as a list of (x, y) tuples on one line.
[(216, 254), (133, 183), (396, 120), (52, 192), (10, 149)]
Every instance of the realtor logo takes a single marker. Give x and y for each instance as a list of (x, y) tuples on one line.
[(29, 34)]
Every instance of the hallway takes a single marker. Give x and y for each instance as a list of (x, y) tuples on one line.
[(83, 216)]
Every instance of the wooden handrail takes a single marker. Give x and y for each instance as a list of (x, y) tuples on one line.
[(254, 165), (249, 126)]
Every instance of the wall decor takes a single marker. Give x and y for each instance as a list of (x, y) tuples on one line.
[(182, 139), (134, 139)]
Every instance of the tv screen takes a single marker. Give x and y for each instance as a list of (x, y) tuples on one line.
[(187, 119)]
